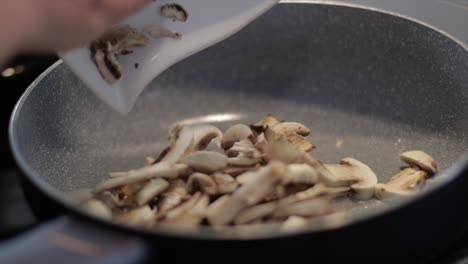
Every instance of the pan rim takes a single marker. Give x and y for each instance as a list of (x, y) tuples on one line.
[(445, 177)]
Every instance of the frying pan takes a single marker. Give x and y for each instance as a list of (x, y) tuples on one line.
[(381, 83)]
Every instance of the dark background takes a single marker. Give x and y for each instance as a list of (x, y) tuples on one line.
[(23, 69), (15, 77)]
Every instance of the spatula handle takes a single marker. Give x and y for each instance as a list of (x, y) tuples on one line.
[(66, 240)]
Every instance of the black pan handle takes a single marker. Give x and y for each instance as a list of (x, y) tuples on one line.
[(67, 240)]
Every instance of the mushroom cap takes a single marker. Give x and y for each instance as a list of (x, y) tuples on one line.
[(236, 133), (363, 180), (340, 175), (206, 161), (420, 159), (365, 186)]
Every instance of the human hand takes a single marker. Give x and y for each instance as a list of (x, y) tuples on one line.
[(64, 24)]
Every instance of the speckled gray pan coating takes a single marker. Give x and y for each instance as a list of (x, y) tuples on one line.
[(380, 83)]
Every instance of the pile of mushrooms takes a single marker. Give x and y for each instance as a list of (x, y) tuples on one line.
[(260, 173)]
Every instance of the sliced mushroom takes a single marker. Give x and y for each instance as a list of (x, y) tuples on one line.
[(97, 208), (157, 31), (278, 192), (286, 128), (385, 191), (181, 140), (163, 170), (117, 41), (301, 142), (202, 182), (364, 181), (175, 195), (170, 200), (235, 134), (305, 208), (150, 190), (254, 213), (261, 142), (123, 39), (364, 188), (138, 216), (205, 134), (225, 182), (277, 180), (206, 161), (127, 192), (300, 173), (235, 171), (194, 215), (279, 148), (313, 192), (295, 133), (420, 159), (183, 170), (294, 223), (244, 161), (250, 175), (215, 211), (251, 192), (107, 66), (408, 178), (341, 175), (402, 184), (266, 121), (214, 146), (183, 208), (174, 11), (244, 148), (149, 161), (178, 186), (110, 199)]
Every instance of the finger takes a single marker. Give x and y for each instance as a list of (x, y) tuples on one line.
[(116, 10)]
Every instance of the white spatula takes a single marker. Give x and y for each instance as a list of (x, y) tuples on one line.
[(208, 22)]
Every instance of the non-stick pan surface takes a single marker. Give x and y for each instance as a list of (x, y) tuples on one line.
[(380, 83)]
